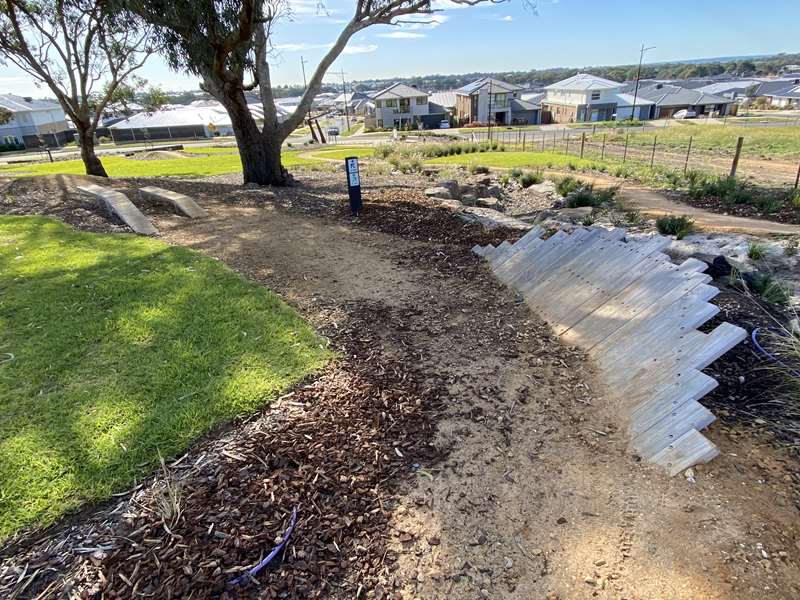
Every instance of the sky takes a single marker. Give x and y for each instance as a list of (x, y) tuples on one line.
[(506, 36)]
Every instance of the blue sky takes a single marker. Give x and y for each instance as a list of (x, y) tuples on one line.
[(507, 36)]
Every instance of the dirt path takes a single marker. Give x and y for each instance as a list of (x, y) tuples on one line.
[(533, 494), (531, 502), (655, 204)]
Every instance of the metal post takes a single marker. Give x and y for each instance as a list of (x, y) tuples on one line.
[(625, 153), (554, 141), (583, 142), (524, 136), (735, 164), (653, 156), (566, 147), (603, 151), (688, 151), (797, 179)]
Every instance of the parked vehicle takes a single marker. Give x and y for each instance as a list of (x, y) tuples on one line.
[(333, 131), (684, 114), (445, 124)]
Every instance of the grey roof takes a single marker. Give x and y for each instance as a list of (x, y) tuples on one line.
[(398, 90), (790, 92), (777, 86), (498, 87), (535, 97), (673, 95), (624, 99), (583, 82), (446, 99), (739, 86), (517, 104), (16, 103)]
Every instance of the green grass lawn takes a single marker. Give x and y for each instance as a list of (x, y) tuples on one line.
[(223, 161), (115, 348), (342, 153), (510, 160), (777, 141)]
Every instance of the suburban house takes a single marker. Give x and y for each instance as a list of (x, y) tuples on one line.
[(669, 99), (780, 93), (200, 119), (30, 120), (400, 106), (585, 97), (485, 100)]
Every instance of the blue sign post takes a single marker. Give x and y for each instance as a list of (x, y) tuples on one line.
[(353, 184)]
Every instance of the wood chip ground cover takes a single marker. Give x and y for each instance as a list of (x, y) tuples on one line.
[(456, 450)]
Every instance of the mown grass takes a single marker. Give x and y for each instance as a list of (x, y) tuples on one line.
[(222, 162), (777, 141), (342, 153), (510, 160), (115, 348)]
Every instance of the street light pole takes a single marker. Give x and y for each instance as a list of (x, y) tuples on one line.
[(638, 76)]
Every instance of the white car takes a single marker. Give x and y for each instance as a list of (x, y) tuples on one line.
[(444, 124), (684, 114)]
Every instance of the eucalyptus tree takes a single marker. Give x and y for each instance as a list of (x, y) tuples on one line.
[(81, 51), (228, 42)]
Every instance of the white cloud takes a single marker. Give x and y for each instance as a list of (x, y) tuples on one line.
[(425, 22), (507, 18), (402, 35), (300, 47), (356, 49)]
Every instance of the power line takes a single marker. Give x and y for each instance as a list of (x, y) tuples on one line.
[(638, 76)]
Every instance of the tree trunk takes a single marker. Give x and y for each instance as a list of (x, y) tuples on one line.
[(259, 151), (90, 161)]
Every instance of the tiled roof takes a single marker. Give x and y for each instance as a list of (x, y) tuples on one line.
[(584, 82)]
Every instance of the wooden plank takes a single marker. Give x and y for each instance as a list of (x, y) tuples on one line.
[(648, 413), (688, 416), (544, 253), (691, 449), (518, 246), (180, 202), (118, 204)]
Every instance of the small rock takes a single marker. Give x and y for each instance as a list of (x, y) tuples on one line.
[(561, 520), (469, 199), (434, 541), (689, 474), (508, 563), (438, 192), (488, 203)]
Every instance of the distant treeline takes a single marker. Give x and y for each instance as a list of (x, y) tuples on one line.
[(763, 66), (678, 70)]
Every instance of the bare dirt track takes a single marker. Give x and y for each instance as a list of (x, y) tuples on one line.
[(456, 451)]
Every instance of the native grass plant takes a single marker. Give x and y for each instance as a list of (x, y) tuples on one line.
[(168, 497), (756, 250), (479, 170), (585, 194), (791, 246), (678, 225)]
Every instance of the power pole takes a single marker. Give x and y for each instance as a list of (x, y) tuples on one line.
[(344, 91), (638, 76), (489, 116)]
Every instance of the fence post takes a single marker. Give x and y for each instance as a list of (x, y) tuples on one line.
[(735, 164), (544, 138), (625, 152), (583, 141), (653, 155), (566, 148), (524, 136), (688, 151), (797, 179), (603, 151), (555, 134)]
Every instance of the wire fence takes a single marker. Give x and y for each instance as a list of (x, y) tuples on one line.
[(631, 145)]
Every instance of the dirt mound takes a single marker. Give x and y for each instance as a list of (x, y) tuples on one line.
[(160, 155)]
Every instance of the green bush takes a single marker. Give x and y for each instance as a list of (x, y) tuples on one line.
[(530, 178), (634, 217), (769, 204), (755, 250), (766, 286), (516, 173), (583, 196), (478, 170), (565, 185), (383, 151), (792, 246), (679, 226), (794, 199)]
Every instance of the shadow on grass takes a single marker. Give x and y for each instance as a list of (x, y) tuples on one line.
[(123, 347)]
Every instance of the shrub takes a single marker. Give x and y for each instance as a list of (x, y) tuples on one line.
[(530, 178), (792, 246), (679, 226), (606, 195), (505, 179), (755, 250), (634, 217), (383, 151), (766, 286), (769, 204), (794, 198), (478, 169), (516, 173), (674, 178), (587, 221), (565, 185), (583, 196)]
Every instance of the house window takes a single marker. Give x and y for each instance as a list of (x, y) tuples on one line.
[(421, 100), (405, 105), (377, 103), (595, 95), (390, 103)]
